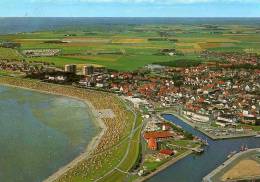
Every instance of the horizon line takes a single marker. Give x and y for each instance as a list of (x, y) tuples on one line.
[(129, 17)]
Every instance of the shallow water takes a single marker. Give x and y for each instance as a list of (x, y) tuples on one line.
[(39, 133), (194, 167), (29, 24)]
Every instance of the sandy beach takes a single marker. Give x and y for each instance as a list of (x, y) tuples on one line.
[(108, 112), (91, 146)]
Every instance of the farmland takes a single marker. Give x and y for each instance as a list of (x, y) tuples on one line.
[(131, 47), (7, 53)]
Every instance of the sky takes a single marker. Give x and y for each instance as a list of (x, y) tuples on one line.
[(129, 8)]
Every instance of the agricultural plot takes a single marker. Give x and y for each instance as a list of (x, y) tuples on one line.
[(128, 41), (9, 54), (131, 47)]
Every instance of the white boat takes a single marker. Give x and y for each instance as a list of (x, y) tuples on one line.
[(231, 154), (257, 136)]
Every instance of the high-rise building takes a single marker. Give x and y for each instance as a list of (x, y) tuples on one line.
[(70, 68), (88, 70)]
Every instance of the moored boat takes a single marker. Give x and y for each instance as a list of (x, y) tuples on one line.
[(231, 154)]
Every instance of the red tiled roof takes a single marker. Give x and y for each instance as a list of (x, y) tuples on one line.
[(152, 144), (210, 86), (130, 94), (221, 82), (166, 152), (201, 99), (157, 134)]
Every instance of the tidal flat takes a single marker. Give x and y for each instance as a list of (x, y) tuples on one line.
[(39, 133)]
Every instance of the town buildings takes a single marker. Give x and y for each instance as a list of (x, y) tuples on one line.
[(88, 70), (225, 94), (70, 68)]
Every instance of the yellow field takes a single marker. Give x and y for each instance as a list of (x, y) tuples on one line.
[(245, 168), (206, 45), (86, 39), (189, 47), (129, 41)]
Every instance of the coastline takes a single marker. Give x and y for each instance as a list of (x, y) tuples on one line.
[(87, 154), (89, 148)]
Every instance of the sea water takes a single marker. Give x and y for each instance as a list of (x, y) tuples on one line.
[(39, 133)]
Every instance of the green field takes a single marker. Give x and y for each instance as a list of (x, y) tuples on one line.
[(132, 47), (10, 54), (130, 160)]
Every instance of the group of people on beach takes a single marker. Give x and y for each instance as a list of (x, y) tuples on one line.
[(107, 151)]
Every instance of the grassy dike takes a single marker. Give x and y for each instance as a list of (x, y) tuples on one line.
[(122, 172), (116, 151)]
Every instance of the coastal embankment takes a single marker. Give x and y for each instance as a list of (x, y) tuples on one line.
[(40, 87), (106, 148)]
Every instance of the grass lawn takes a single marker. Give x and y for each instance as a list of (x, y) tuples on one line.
[(7, 53), (131, 158), (255, 128), (58, 61), (133, 152), (11, 73), (107, 165), (125, 63), (152, 166), (6, 73), (116, 176), (185, 143)]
